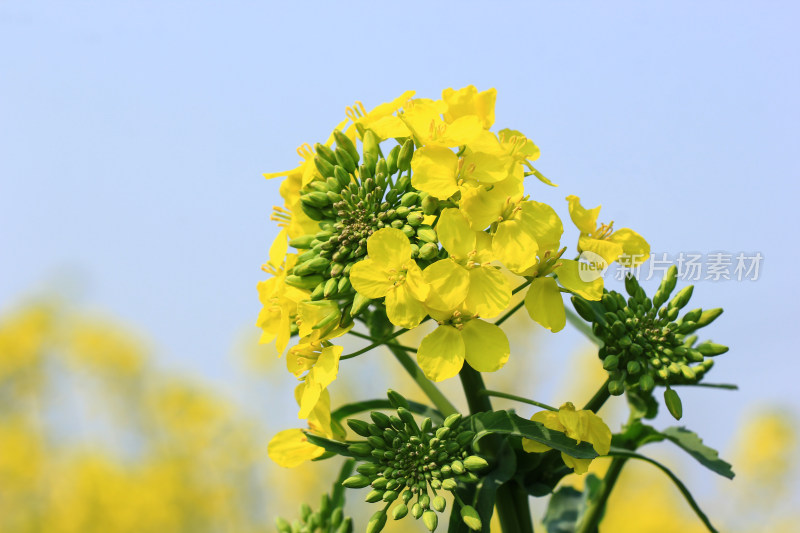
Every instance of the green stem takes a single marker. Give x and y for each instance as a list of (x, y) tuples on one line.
[(507, 396), (599, 398), (433, 393), (594, 512), (522, 286), (511, 502), (509, 313), (375, 344)]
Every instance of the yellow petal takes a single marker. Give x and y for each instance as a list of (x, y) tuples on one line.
[(597, 432), (389, 247), (369, 279), (584, 219), (290, 448), (635, 249), (433, 170), (455, 234), (461, 131), (319, 377), (544, 304), (487, 168), (581, 466), (586, 283), (468, 101), (608, 250), (545, 224), (441, 353), (515, 246), (489, 292), (389, 127), (572, 421), (278, 249), (403, 309), (487, 348), (449, 284), (531, 446), (415, 281)]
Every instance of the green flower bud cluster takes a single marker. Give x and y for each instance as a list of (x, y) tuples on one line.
[(352, 201), (646, 343), (411, 464), (328, 519)]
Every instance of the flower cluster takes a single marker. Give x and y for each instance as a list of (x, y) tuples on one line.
[(646, 343), (405, 461), (418, 209)]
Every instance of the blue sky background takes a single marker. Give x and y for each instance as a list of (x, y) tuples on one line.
[(133, 136)]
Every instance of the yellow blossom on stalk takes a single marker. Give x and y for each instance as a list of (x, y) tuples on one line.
[(390, 272), (544, 301), (623, 245), (465, 277), (581, 425), (290, 447), (461, 337)]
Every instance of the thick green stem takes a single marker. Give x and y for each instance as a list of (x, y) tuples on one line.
[(435, 395), (512, 503), (599, 398), (591, 517)]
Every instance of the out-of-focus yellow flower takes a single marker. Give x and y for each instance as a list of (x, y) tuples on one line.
[(458, 338), (23, 336), (390, 272), (623, 245), (465, 277), (581, 425)]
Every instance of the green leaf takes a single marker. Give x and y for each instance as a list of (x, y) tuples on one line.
[(508, 423), (618, 452), (694, 446), (567, 505), (350, 409), (642, 404)]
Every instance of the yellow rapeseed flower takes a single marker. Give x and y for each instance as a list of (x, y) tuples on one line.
[(461, 337), (581, 425), (623, 245), (466, 277), (290, 447), (390, 272)]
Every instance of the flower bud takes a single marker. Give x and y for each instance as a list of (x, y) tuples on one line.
[(452, 420), (471, 518), (416, 510), (475, 463), (682, 298), (430, 519), (711, 349), (439, 504), (376, 523), (399, 511), (356, 482), (325, 167), (405, 155), (343, 142), (426, 233), (359, 427), (374, 496), (397, 400), (673, 402)]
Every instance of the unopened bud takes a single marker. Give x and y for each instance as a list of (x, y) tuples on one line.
[(471, 518), (430, 520), (673, 402), (405, 155), (377, 522)]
